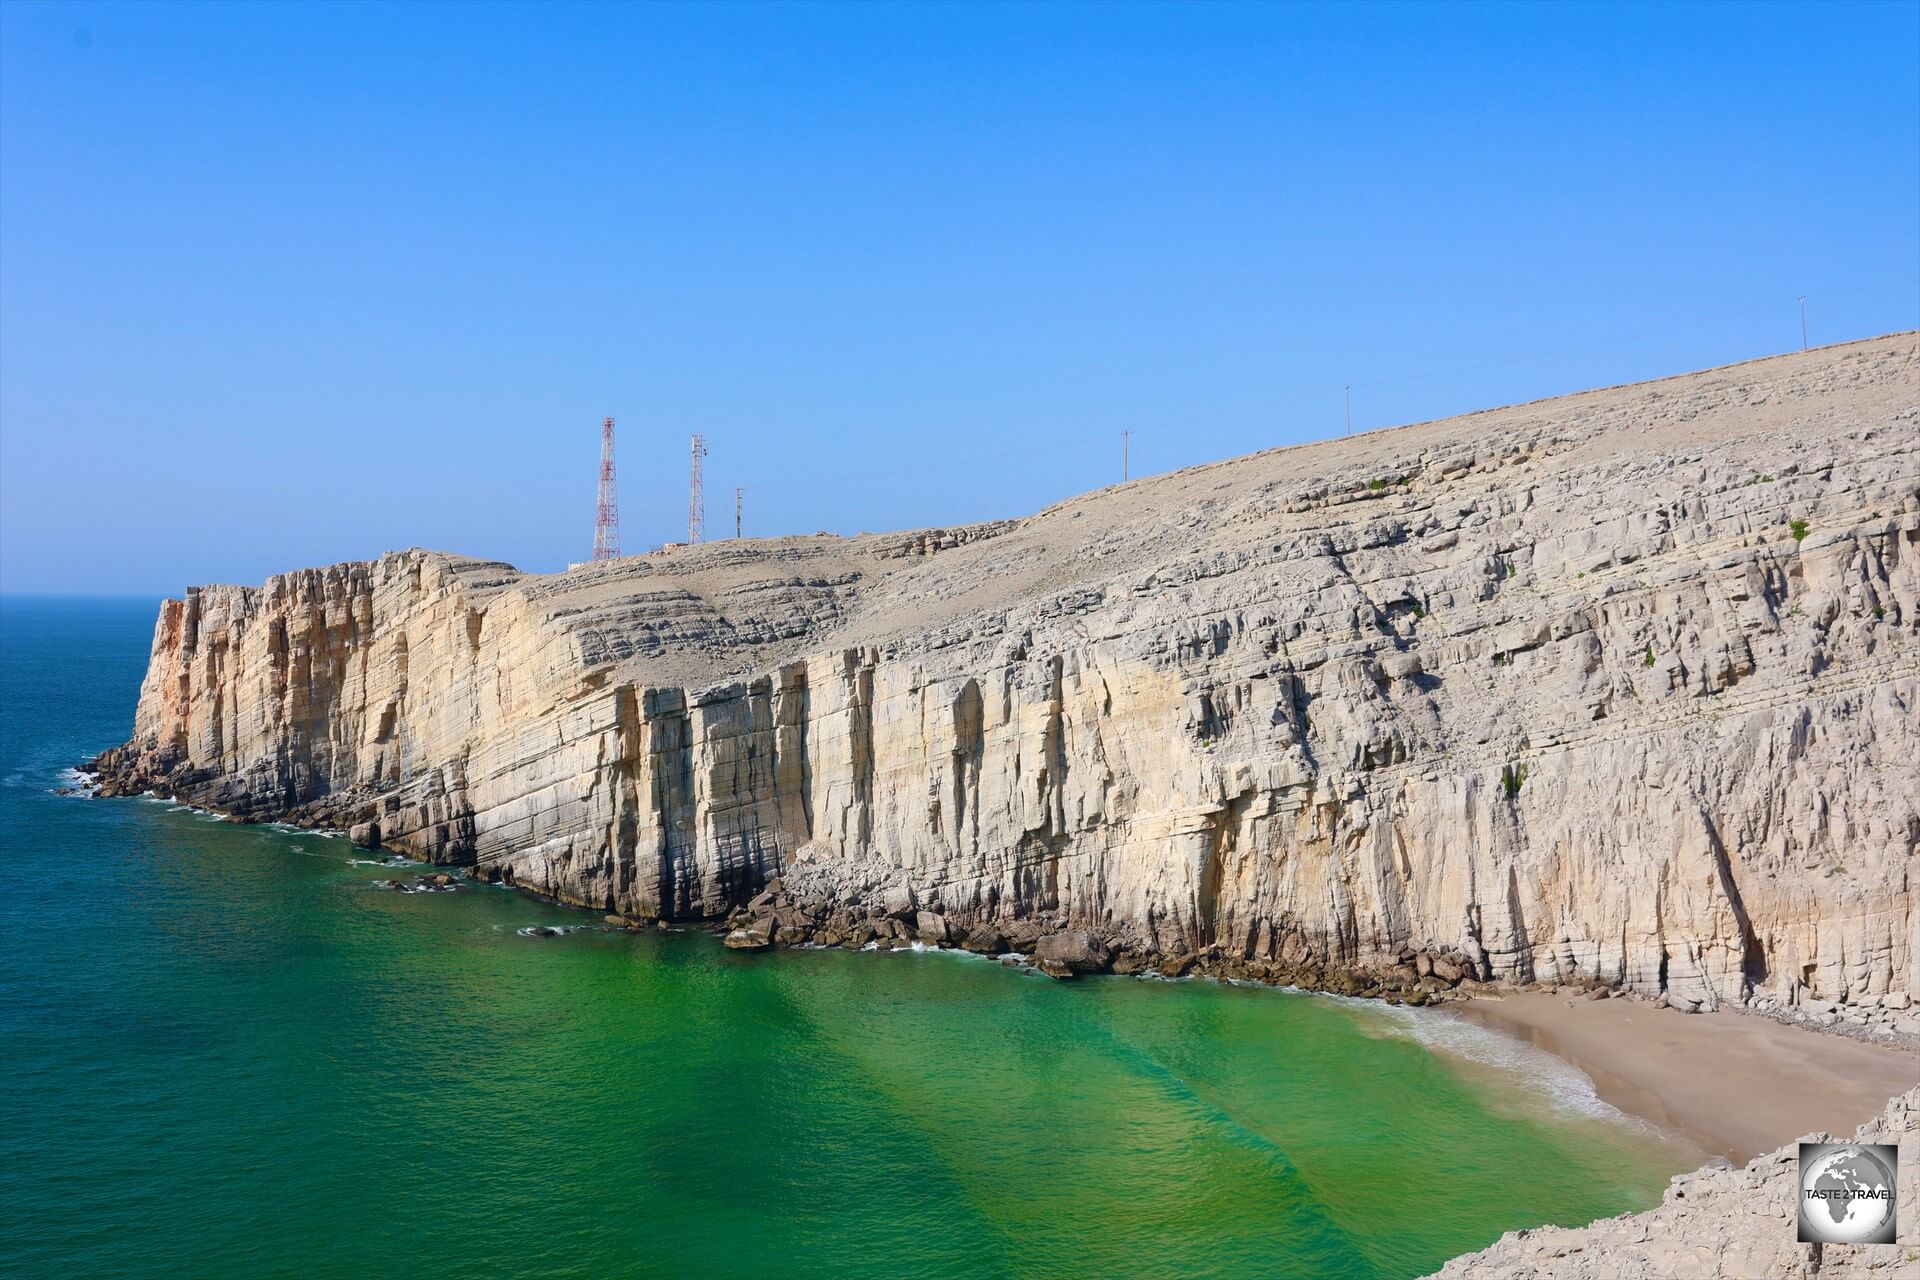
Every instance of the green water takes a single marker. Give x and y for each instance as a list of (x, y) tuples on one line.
[(228, 1054)]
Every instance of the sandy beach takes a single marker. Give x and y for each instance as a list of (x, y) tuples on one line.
[(1731, 1084)]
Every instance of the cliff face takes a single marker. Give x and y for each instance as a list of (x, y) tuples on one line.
[(1619, 685)]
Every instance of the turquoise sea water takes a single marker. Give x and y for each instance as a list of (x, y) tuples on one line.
[(226, 1054)]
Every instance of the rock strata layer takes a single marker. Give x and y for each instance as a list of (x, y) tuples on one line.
[(1617, 688)]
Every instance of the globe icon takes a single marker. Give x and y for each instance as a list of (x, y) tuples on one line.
[(1846, 1195)]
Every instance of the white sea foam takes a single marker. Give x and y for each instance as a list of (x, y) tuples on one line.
[(1561, 1083), (72, 782)]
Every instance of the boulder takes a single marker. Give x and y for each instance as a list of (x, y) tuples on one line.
[(1076, 950), (1346, 983), (1128, 963), (1176, 966), (364, 835), (756, 936), (986, 940), (899, 901), (1022, 934), (932, 928)]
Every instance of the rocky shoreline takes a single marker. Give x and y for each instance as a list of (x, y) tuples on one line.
[(884, 913), (896, 916), (856, 908)]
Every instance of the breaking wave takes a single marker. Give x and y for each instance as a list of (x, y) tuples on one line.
[(1561, 1083)]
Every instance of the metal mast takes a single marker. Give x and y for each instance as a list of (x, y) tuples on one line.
[(736, 511), (696, 496), (606, 524)]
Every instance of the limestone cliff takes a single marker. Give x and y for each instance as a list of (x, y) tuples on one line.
[(1619, 685)]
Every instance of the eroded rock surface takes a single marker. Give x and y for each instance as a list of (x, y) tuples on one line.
[(1619, 687), (1719, 1224)]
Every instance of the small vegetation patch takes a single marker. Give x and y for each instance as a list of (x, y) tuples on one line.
[(1649, 655), (1512, 778), (1798, 528)]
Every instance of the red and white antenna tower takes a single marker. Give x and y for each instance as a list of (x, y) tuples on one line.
[(696, 496), (606, 524)]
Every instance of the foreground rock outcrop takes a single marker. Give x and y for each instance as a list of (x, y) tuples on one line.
[(1619, 687), (1719, 1224)]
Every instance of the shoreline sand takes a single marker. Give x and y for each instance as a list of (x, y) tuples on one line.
[(1730, 1084)]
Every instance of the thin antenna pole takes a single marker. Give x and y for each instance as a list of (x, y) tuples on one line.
[(606, 522), (736, 510), (1126, 456), (1803, 322), (1349, 409), (696, 496)]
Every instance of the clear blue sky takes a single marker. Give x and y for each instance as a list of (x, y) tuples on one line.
[(281, 286)]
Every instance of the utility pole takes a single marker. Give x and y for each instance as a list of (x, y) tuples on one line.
[(736, 510), (606, 522), (1126, 456), (696, 496), (1349, 408), (1803, 322)]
